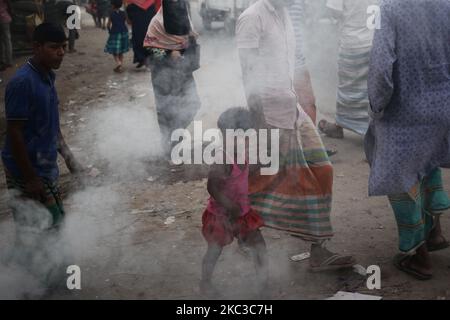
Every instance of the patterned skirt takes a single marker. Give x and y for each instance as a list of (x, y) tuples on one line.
[(298, 198), (415, 211), (118, 43)]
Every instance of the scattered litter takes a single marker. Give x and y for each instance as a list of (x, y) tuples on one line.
[(141, 95), (169, 220), (341, 175), (82, 119), (137, 211), (380, 227), (301, 256), (71, 102), (151, 179), (181, 212), (360, 269), (102, 94), (72, 114), (343, 295), (94, 172)]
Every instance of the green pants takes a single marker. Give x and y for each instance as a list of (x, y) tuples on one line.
[(415, 211)]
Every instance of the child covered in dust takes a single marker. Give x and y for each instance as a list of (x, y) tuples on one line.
[(228, 214), (118, 41)]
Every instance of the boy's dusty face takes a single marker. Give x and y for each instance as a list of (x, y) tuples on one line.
[(50, 54)]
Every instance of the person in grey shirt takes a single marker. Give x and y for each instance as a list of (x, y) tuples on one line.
[(409, 135)]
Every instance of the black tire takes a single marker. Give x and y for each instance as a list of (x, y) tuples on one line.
[(230, 26), (207, 23)]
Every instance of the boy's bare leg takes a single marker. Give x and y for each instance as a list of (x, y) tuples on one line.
[(257, 245), (116, 59), (118, 63), (208, 265)]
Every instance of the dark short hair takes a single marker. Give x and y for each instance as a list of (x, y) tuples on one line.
[(49, 32), (116, 3), (235, 118)]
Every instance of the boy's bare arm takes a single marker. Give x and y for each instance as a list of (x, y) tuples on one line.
[(71, 163)]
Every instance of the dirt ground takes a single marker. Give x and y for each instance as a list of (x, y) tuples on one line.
[(118, 223)]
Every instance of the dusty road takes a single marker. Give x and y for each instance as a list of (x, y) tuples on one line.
[(118, 223)]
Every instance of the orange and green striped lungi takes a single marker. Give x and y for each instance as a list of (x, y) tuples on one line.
[(298, 198)]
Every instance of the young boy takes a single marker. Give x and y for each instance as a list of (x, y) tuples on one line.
[(33, 140), (229, 214)]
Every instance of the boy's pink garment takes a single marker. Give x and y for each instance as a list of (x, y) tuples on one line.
[(235, 189)]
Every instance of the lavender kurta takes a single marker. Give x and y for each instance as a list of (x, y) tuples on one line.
[(409, 93)]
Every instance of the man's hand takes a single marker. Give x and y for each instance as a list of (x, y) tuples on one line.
[(72, 164), (175, 55), (34, 189)]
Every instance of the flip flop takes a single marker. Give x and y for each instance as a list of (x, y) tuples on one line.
[(118, 69), (399, 260), (330, 129), (436, 247), (331, 152), (328, 265)]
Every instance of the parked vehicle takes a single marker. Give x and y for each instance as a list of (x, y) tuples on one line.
[(226, 11)]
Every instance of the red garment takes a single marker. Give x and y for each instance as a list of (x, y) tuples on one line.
[(235, 188), (158, 4), (145, 4), (219, 230)]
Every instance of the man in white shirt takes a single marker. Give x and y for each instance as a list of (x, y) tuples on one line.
[(355, 42), (298, 198)]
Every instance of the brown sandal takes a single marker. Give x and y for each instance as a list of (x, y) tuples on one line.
[(330, 129), (118, 69)]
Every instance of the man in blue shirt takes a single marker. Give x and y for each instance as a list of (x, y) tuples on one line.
[(33, 136)]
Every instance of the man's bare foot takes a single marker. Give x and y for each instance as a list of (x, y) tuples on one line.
[(436, 241), (415, 265), (331, 130), (322, 259)]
